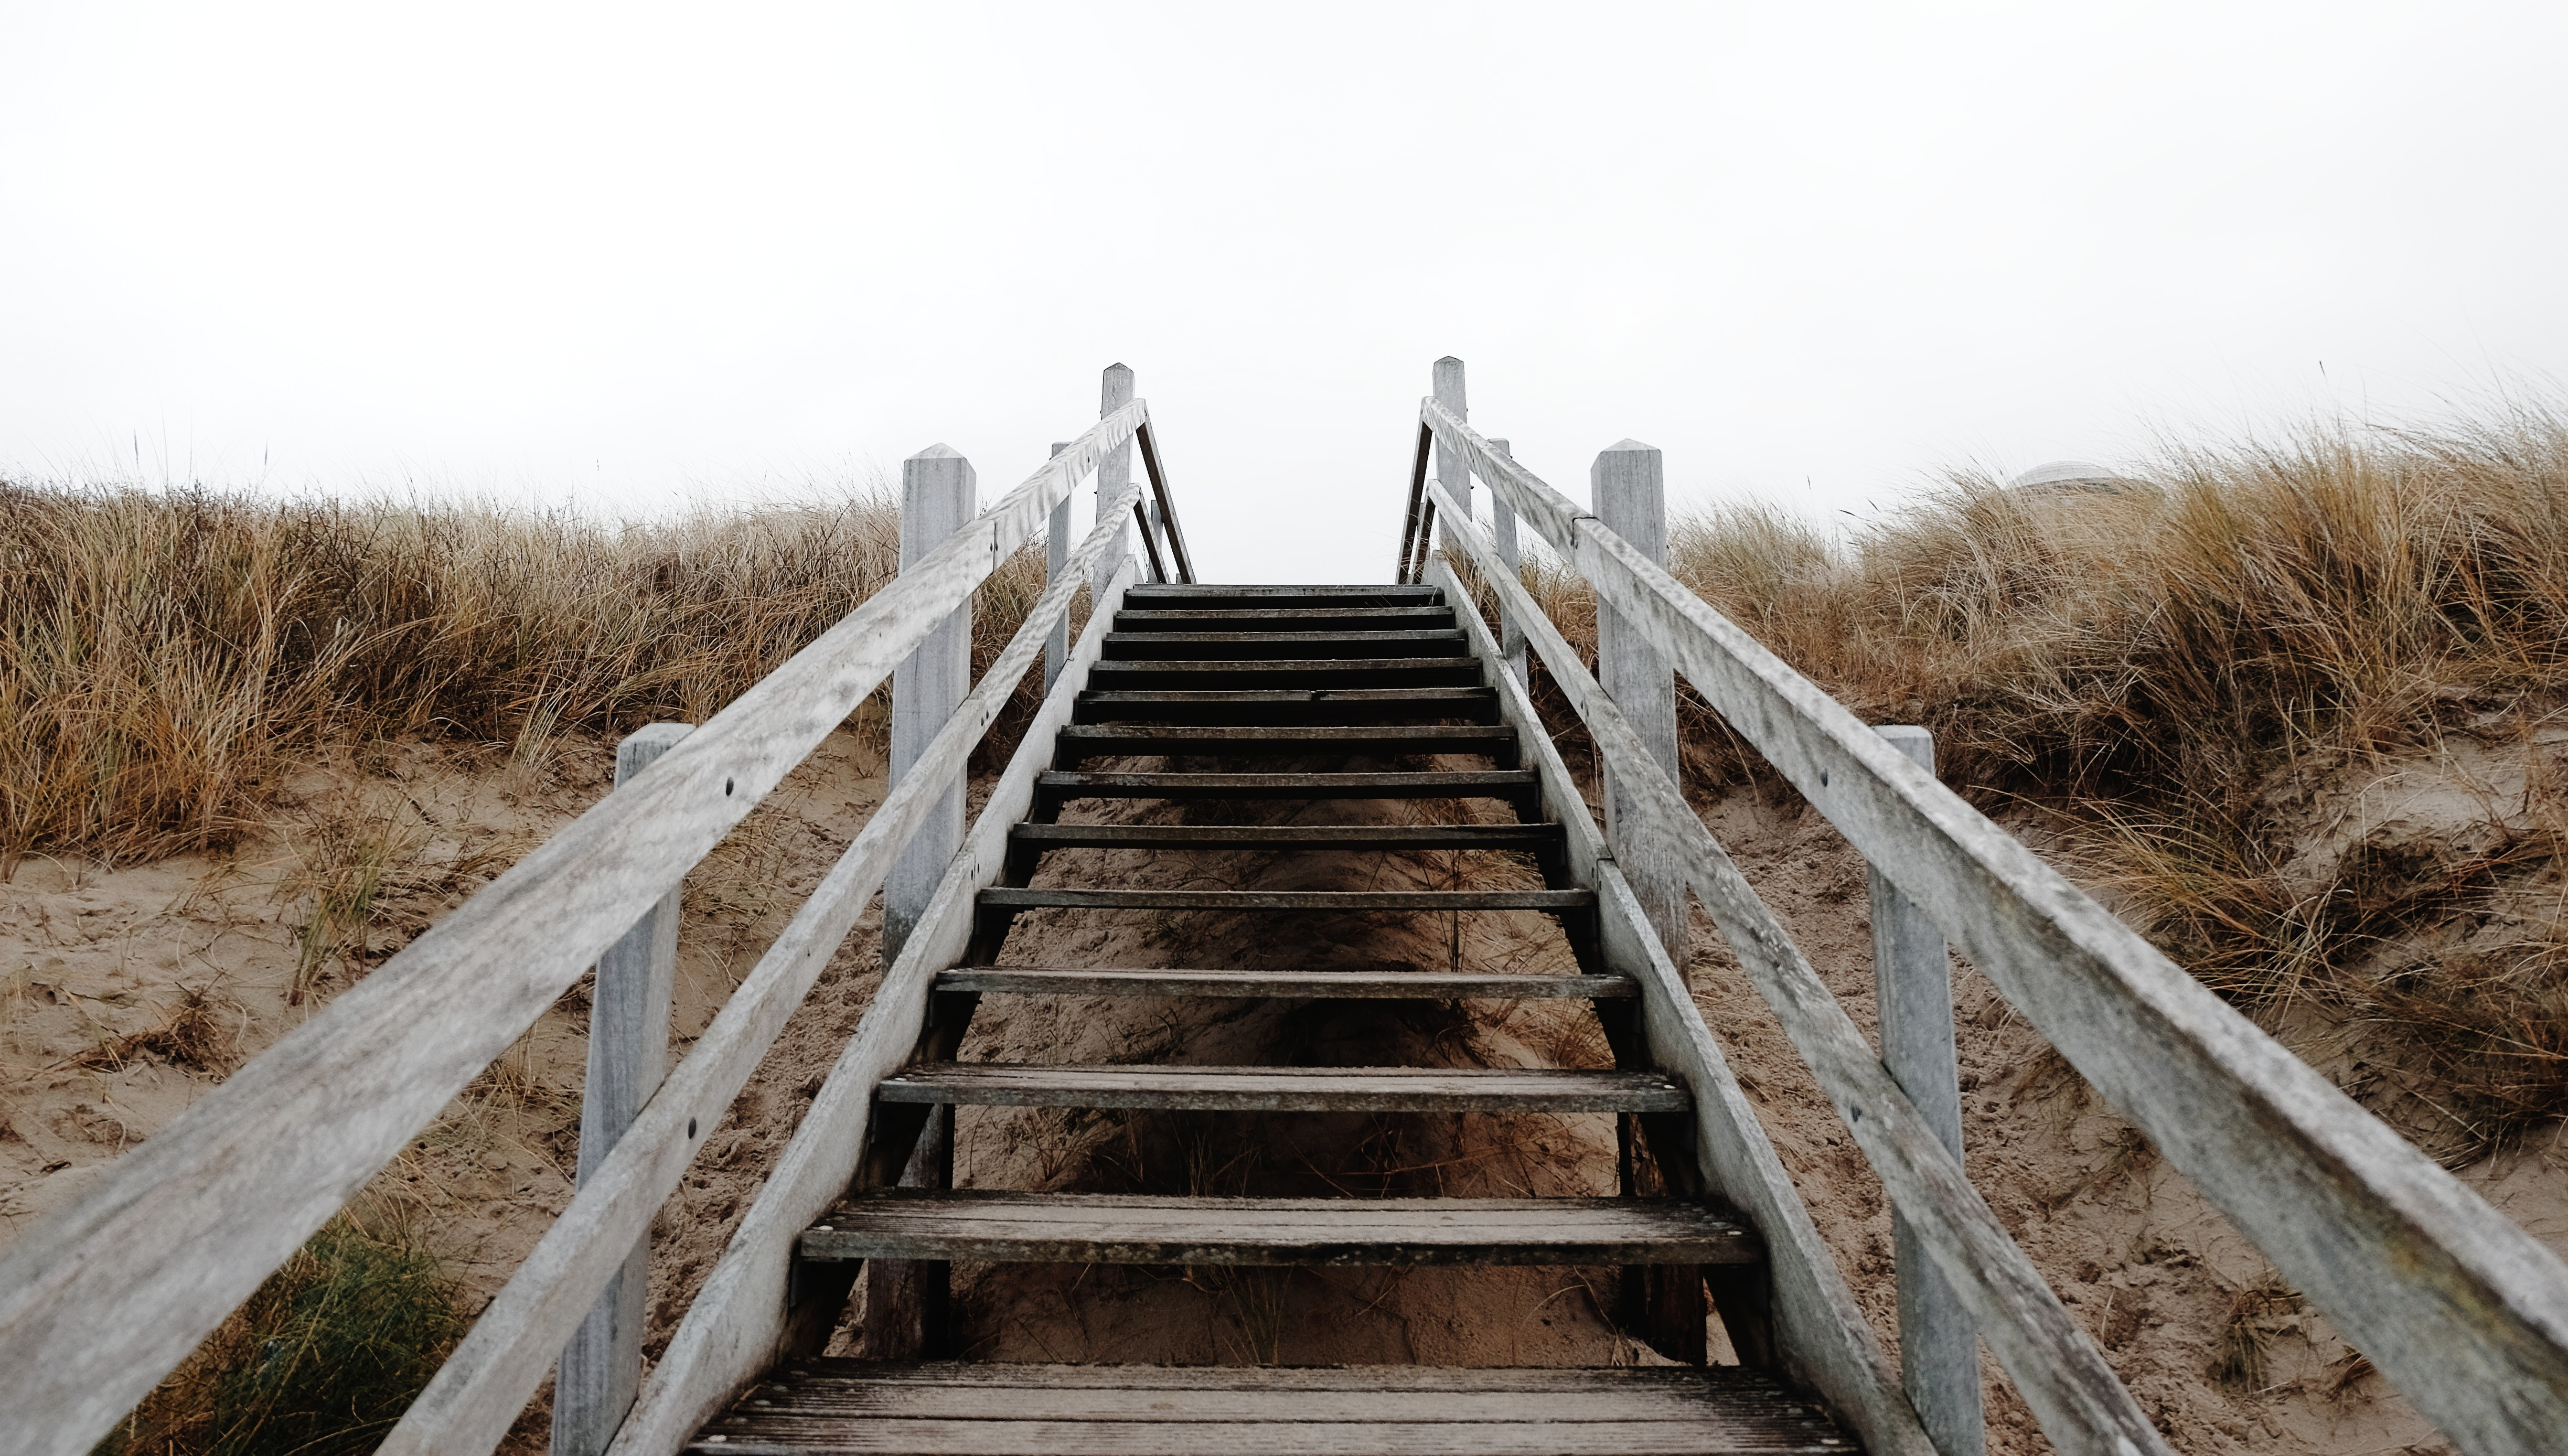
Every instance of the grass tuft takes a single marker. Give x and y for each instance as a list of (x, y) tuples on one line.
[(320, 1361)]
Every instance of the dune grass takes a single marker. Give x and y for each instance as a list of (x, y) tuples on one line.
[(320, 1361), (165, 655), (2179, 669)]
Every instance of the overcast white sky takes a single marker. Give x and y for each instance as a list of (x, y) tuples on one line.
[(628, 255)]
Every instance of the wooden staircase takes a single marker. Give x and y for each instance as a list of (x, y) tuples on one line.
[(1191, 672)]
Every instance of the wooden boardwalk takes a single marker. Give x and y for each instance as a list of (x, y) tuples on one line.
[(1190, 675)]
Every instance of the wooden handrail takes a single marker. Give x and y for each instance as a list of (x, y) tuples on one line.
[(735, 1329), (105, 1297), (1414, 524), (481, 1388), (1167, 508), (2074, 1393), (2465, 1312)]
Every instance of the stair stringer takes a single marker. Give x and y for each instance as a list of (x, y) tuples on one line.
[(735, 1329), (1822, 1341)]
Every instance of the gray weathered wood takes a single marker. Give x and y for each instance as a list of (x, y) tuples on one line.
[(1164, 509), (1113, 467), (628, 1047), (1823, 1339), (1392, 985), (1939, 1350), (733, 1329), (1281, 619), (483, 1385), (2462, 1309), (1286, 1089), (1628, 484), (1456, 784), (1244, 900), (1502, 529), (938, 494), (1518, 837), (1057, 559), (2074, 1393), (103, 1298), (1093, 1228), (1246, 742), (1295, 704), (1451, 466), (1252, 643)]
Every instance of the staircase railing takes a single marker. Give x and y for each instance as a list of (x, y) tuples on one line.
[(2462, 1309), (105, 1298)]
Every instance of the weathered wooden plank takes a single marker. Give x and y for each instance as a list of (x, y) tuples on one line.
[(105, 1297), (1289, 1438), (1075, 1228), (628, 1048), (1395, 985), (1297, 706), (1280, 618), (1462, 783), (2465, 1312), (1286, 1089), (1326, 594), (1244, 742), (1939, 1352), (1510, 837), (1164, 508), (488, 1378), (938, 493), (918, 1400), (2074, 1393), (1635, 1384), (1245, 900), (733, 1329), (1217, 675), (1823, 1340), (1323, 644)]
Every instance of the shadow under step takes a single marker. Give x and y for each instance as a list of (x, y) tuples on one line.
[(1288, 706), (1519, 785), (1310, 985), (1102, 1228), (1520, 838), (1081, 741), (1556, 901), (1109, 674), (960, 1409), (1285, 1088), (1321, 645)]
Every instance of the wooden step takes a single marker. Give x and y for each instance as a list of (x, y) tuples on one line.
[(1167, 596), (975, 1409), (1519, 839), (1557, 901), (1244, 646), (1284, 619), (1289, 707), (1288, 985), (1286, 1089), (1521, 785), (1078, 743), (1211, 674), (1101, 1228)]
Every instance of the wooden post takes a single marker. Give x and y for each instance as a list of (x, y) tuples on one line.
[(628, 1047), (1627, 486), (1939, 1347), (1450, 467), (1114, 472), (1057, 555), (1503, 532), (937, 497)]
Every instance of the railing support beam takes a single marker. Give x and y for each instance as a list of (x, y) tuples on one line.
[(1112, 474), (1627, 486), (628, 1049), (1452, 468), (1503, 532), (938, 493), (1912, 971)]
